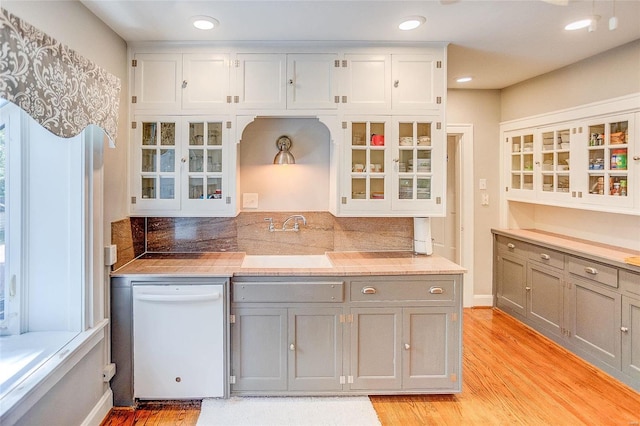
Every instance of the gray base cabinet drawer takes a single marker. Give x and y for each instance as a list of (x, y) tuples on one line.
[(513, 246), (547, 257), (630, 283), (289, 292), (418, 290), (594, 271)]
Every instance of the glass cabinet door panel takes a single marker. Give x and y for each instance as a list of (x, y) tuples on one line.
[(358, 160), (196, 188), (196, 160), (214, 134), (167, 134), (168, 160), (149, 136), (196, 134), (358, 188), (148, 187), (167, 188), (148, 160), (358, 134), (214, 188), (405, 188), (423, 191), (214, 160), (377, 188)]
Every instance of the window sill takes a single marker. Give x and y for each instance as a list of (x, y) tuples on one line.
[(45, 374)]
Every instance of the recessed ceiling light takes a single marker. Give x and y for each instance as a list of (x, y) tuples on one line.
[(580, 24), (464, 79), (412, 22), (204, 22)]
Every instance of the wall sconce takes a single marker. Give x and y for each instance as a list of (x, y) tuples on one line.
[(284, 156)]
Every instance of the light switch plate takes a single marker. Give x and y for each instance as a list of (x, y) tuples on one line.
[(249, 200), (482, 184)]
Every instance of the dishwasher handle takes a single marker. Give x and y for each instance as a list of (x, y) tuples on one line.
[(177, 298)]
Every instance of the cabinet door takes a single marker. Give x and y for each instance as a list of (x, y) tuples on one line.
[(205, 167), (430, 349), (553, 179), (206, 81), (631, 337), (365, 82), (419, 165), (511, 279), (606, 171), (259, 349), (595, 320), (545, 292), (375, 348), (311, 81), (260, 81), (367, 166), (519, 163), (157, 82), (156, 165), (315, 349), (418, 82)]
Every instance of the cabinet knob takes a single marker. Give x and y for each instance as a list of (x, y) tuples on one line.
[(528, 288), (183, 160), (290, 82), (396, 83), (407, 346), (292, 347), (624, 329), (511, 246), (184, 84), (368, 290), (636, 157), (544, 256)]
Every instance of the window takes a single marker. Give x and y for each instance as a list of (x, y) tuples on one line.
[(44, 234)]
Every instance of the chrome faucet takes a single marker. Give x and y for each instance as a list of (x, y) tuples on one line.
[(296, 226)]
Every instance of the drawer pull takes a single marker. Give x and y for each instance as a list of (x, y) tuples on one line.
[(436, 290), (590, 270), (369, 290), (407, 346), (544, 256), (511, 246)]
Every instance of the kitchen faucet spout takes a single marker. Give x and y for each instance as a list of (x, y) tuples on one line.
[(296, 226)]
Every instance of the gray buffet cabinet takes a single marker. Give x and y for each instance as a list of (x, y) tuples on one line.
[(325, 335), (584, 302)]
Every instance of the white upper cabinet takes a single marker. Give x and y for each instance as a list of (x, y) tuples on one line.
[(365, 83), (168, 83), (589, 163), (260, 81), (285, 81), (311, 81), (418, 82)]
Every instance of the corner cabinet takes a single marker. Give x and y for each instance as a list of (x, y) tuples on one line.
[(588, 164), (319, 335), (393, 165), (587, 305), (182, 165)]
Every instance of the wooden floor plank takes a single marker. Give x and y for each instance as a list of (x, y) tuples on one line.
[(511, 376)]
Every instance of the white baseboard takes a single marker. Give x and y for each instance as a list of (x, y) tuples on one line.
[(100, 411), (483, 300)]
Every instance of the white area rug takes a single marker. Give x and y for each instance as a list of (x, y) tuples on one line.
[(288, 411)]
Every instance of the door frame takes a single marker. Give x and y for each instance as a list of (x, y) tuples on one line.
[(464, 134)]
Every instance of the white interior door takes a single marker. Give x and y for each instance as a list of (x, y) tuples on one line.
[(445, 230)]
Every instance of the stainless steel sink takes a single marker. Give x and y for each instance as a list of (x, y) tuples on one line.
[(287, 261)]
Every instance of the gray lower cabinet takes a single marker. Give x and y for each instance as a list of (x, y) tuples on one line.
[(590, 307), (360, 336), (630, 329), (287, 349)]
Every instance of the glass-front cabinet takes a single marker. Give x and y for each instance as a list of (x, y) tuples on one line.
[(608, 144), (181, 164), (368, 165), (520, 163), (393, 166), (552, 164)]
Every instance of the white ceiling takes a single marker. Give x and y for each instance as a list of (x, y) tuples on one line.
[(499, 43)]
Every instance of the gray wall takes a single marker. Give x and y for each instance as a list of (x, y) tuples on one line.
[(482, 109)]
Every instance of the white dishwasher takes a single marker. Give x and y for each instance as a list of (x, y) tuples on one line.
[(178, 341)]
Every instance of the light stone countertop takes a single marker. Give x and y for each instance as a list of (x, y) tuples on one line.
[(575, 246), (229, 264)]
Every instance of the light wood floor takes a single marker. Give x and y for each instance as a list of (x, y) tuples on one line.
[(511, 376)]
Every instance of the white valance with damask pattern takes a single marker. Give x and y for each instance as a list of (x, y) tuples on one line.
[(59, 88)]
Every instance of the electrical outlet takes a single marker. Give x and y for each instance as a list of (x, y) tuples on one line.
[(485, 199), (249, 200)]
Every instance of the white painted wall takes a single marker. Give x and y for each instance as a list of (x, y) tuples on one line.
[(303, 186)]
